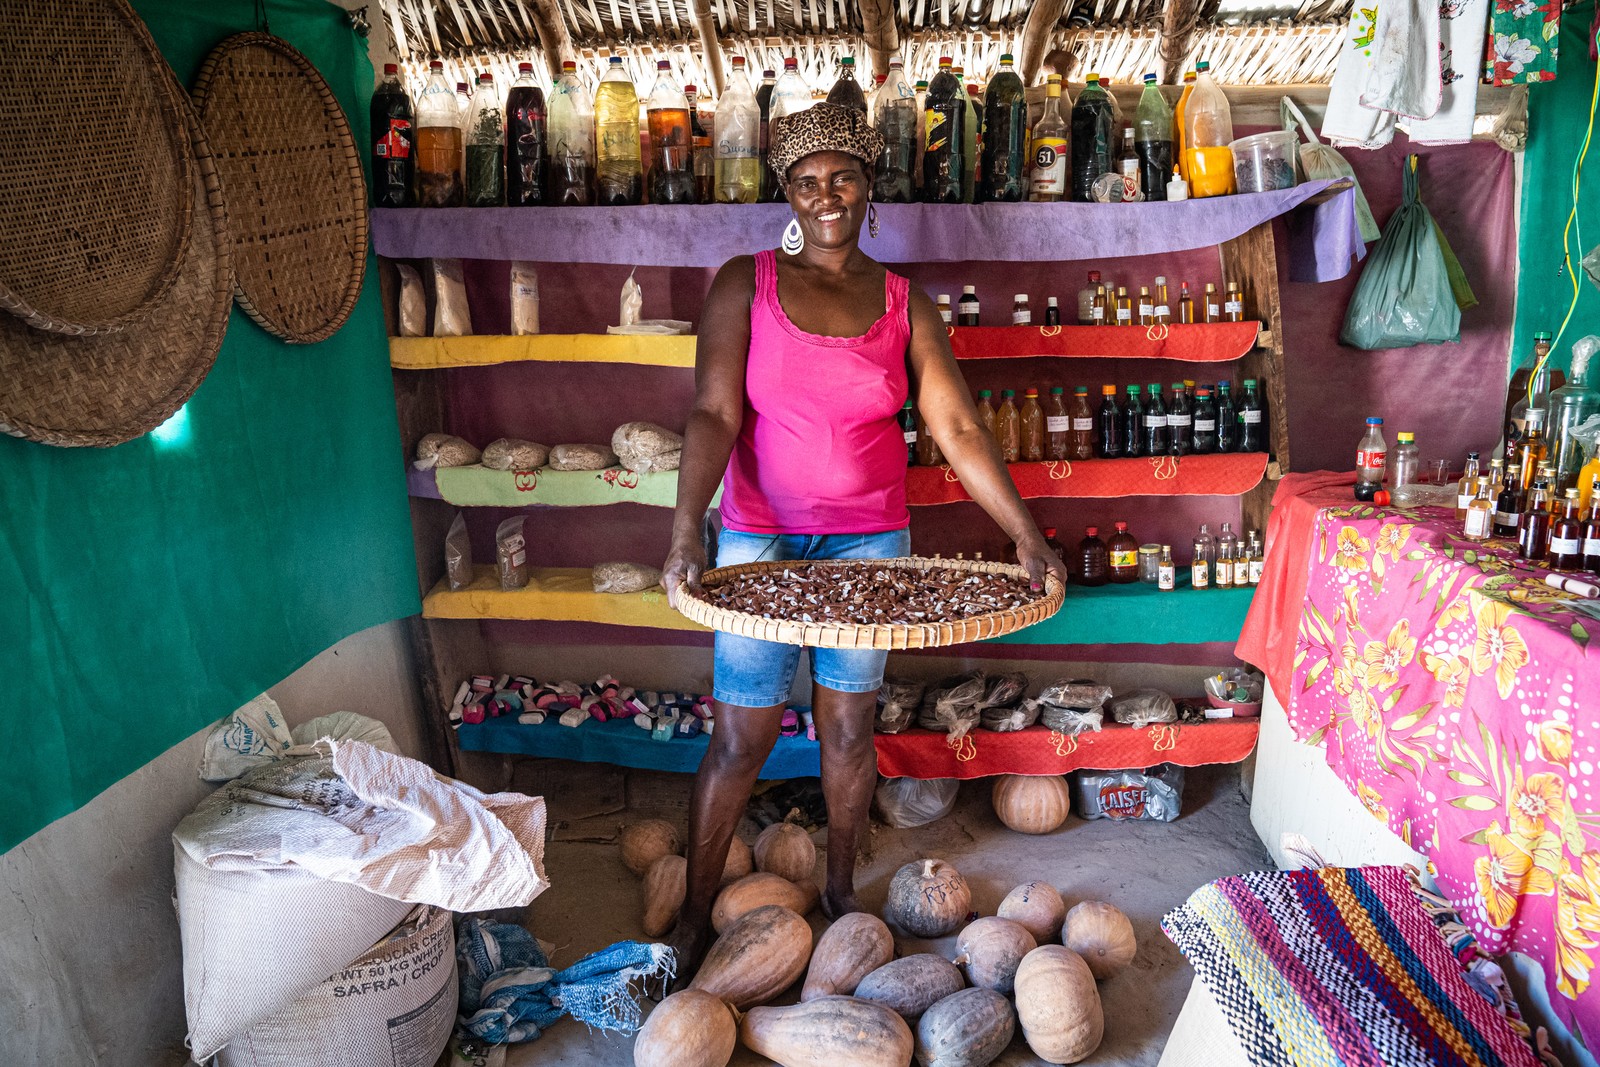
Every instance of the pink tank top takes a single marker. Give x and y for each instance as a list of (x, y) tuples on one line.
[(820, 450)]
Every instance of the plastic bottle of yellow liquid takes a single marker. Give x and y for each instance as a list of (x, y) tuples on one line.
[(1207, 132), (1177, 124), (1588, 480)]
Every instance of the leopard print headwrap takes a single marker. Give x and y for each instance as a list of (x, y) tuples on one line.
[(822, 128)]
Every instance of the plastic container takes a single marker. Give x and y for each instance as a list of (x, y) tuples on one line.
[(1264, 161)]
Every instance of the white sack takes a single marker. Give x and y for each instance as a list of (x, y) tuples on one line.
[(252, 735)]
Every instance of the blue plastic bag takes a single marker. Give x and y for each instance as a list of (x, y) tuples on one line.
[(1405, 296)]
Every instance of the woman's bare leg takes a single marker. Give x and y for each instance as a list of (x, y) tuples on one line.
[(849, 773)]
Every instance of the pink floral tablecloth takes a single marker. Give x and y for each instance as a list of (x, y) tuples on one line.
[(1456, 696)]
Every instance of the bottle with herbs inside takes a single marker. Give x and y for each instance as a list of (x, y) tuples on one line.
[(1080, 438), (1031, 422), (1008, 427), (440, 156), (671, 141), (1057, 425), (393, 136), (1180, 421), (1108, 425), (1252, 430), (1157, 437), (571, 135), (526, 161), (1133, 423), (1123, 555), (1205, 422), (486, 147), (1091, 563)]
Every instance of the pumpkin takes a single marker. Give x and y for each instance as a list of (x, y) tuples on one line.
[(928, 898), (1058, 1005), (990, 950), (1032, 804), (966, 1029), (738, 863), (754, 890), (1037, 907), (665, 884), (829, 1032), (645, 842), (1102, 935), (756, 958), (688, 1029), (785, 849), (913, 984), (853, 947)]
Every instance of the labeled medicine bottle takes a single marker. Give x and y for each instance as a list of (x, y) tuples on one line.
[(1021, 315), (1200, 567), (967, 308), (945, 311), (1167, 571), (1052, 312)]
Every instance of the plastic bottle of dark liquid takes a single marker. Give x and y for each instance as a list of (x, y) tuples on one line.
[(1227, 419), (1133, 424), (945, 138), (1180, 421), (1152, 140), (764, 102), (1108, 425), (1091, 563), (846, 92), (525, 140), (1005, 136), (1252, 427), (393, 138), (896, 120), (1157, 441), (1205, 422), (671, 141), (705, 160), (1093, 139), (1124, 555)]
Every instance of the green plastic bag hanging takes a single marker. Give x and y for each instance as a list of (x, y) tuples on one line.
[(1405, 296), (1318, 160)]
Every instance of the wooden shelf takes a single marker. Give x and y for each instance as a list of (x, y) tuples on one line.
[(1213, 475), (1213, 342), (553, 594), (480, 487), (437, 353)]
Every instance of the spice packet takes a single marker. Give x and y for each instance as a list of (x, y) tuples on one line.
[(511, 553), (524, 299), (458, 554), (412, 319)]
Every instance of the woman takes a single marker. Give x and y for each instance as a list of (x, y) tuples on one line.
[(805, 357)]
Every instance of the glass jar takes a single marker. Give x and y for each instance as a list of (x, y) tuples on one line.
[(1150, 563)]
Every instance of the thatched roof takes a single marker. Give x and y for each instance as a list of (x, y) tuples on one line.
[(1248, 42)]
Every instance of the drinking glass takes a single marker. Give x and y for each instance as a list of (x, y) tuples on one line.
[(1441, 472)]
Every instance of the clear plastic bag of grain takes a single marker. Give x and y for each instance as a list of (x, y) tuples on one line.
[(625, 577), (511, 454), (451, 315), (646, 448), (411, 319), (581, 458), (445, 450), (953, 708), (524, 299), (897, 705), (458, 554), (511, 552), (1143, 707)]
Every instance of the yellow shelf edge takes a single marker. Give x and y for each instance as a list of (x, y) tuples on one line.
[(553, 594), (437, 353)]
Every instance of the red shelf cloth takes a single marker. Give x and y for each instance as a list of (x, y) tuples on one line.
[(1040, 750), (1208, 342), (1213, 475)]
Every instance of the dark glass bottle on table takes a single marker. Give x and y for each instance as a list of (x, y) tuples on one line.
[(1133, 423), (1157, 439), (1252, 427), (1508, 505), (944, 137), (1227, 419), (1108, 425), (908, 429), (1091, 563), (526, 150), (1005, 137), (1566, 535), (1180, 421), (1591, 537), (1123, 555), (393, 128), (1533, 539), (1204, 439)]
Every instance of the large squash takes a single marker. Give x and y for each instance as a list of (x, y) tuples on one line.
[(853, 947), (966, 1029), (1032, 804), (739, 862), (785, 849), (1058, 1005), (688, 1029), (1102, 935), (644, 842), (828, 1032), (990, 949), (665, 885), (1038, 907), (913, 984), (754, 890), (756, 958), (928, 898)]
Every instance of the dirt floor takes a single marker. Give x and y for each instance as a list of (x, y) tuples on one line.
[(1143, 868)]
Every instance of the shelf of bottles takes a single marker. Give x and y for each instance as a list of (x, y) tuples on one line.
[(438, 353), (1214, 475), (1214, 342)]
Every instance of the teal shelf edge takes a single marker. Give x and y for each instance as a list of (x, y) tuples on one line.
[(1140, 614)]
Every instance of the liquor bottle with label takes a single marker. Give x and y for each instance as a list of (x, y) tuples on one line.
[(908, 429), (1566, 535), (571, 131), (1200, 566), (1005, 150), (986, 413), (620, 171), (1205, 422), (393, 133), (1124, 555), (736, 147), (896, 119), (1133, 423), (967, 307), (1163, 308), (1167, 571), (1508, 506), (1467, 488), (1258, 557), (1180, 421), (1233, 306), (944, 144), (1052, 312), (1227, 548), (1147, 308), (1021, 314), (1030, 421), (1086, 297), (1108, 425), (1092, 561), (1008, 427), (1105, 310), (1212, 307), (1185, 305), (526, 154), (1478, 518), (1533, 394), (1124, 307), (1533, 539), (1157, 439), (1227, 419), (1057, 425), (1591, 539), (1047, 176), (1081, 432), (1531, 448), (1128, 167), (946, 312)]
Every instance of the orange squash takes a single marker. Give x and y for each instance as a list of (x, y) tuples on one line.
[(665, 885), (966, 1029), (1058, 1005), (739, 862), (990, 949), (927, 898), (913, 984), (1032, 804), (786, 850), (852, 948), (644, 842), (754, 890), (1038, 907), (828, 1032), (1102, 935), (756, 958), (688, 1029)]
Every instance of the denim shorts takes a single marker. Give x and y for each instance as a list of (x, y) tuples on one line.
[(758, 674)]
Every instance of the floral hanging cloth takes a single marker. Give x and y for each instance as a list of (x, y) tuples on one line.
[(1523, 41)]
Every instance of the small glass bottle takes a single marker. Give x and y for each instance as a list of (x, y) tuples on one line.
[(1008, 427), (1133, 423), (1147, 308), (1227, 548), (945, 311), (1212, 307), (1533, 539), (1532, 448), (1057, 425), (1185, 305), (1566, 536), (1508, 506), (1252, 431), (1227, 419), (1478, 517), (967, 310), (1199, 567), (1258, 557), (1123, 552), (1233, 307), (1467, 488), (1157, 439), (1205, 422), (1021, 314), (1124, 307), (1103, 310), (1241, 564), (1052, 312), (986, 413), (1092, 562), (928, 454), (1086, 300), (1591, 538), (908, 430), (1108, 425), (1081, 432), (1163, 302), (1180, 421), (1031, 427), (1167, 575)]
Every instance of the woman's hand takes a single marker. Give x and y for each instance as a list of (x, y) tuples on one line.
[(685, 563), (1038, 560)]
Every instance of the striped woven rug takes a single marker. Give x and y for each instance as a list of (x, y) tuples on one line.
[(1338, 967)]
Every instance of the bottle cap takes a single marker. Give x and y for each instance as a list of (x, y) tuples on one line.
[(922, 84), (1133, 390), (486, 79), (1006, 394), (524, 68), (1542, 335), (391, 68), (1249, 383), (616, 61), (1092, 531), (1161, 279), (945, 61), (1122, 290), (769, 74), (1381, 497), (967, 290), (1108, 390), (435, 64), (791, 63), (738, 61), (1406, 436), (1122, 527), (1094, 79), (1077, 390), (1020, 298), (1005, 57), (1031, 392), (461, 87), (1149, 79), (1144, 290), (1472, 455), (1373, 420), (879, 79), (1154, 388), (1094, 276), (687, 89), (1211, 287), (569, 64), (1051, 302), (1202, 65), (1057, 390), (663, 64), (895, 64), (944, 298), (1203, 391), (1176, 386), (848, 61), (1049, 531)]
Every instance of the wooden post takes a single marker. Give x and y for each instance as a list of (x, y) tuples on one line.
[(554, 40), (881, 33), (1251, 259), (1178, 24), (1042, 19), (705, 28)]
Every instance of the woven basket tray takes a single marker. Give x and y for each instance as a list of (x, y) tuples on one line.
[(291, 175), (883, 637)]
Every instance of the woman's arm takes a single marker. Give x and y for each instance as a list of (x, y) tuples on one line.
[(720, 356), (941, 396)]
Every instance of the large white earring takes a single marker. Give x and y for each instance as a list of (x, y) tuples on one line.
[(872, 218), (794, 242)]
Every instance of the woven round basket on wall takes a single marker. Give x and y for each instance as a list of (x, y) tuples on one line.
[(96, 176), (291, 175), (882, 637), (108, 388)]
